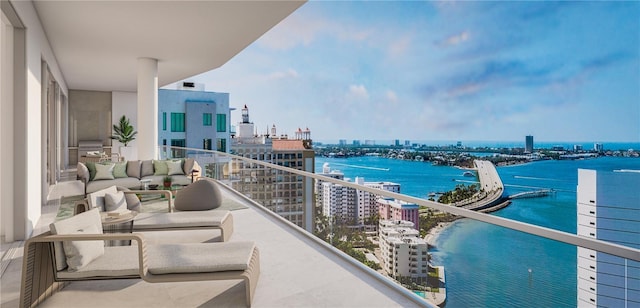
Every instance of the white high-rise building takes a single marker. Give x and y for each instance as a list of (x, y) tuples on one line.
[(609, 210), (404, 253), (339, 201)]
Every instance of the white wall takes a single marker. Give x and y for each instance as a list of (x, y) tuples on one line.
[(125, 103), (6, 129), (28, 139)]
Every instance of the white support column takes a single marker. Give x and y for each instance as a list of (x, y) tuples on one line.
[(147, 138)]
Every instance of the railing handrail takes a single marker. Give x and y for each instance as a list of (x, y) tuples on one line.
[(561, 236)]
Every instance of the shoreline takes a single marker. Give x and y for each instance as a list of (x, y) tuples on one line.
[(432, 236)]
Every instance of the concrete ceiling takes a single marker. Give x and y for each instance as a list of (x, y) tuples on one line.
[(97, 43)]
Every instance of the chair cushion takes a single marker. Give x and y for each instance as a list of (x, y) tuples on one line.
[(80, 253), (174, 167), (160, 167), (116, 261), (104, 172), (133, 169), (83, 172), (199, 257), (133, 202), (199, 196), (114, 201), (96, 199)]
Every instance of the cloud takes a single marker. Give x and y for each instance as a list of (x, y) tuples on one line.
[(290, 73), (400, 46), (295, 30), (392, 97), (455, 39), (358, 91)]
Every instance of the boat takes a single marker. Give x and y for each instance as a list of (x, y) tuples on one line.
[(468, 173), (432, 194)]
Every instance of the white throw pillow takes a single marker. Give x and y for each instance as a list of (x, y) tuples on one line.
[(104, 172), (80, 253), (175, 167), (114, 201)]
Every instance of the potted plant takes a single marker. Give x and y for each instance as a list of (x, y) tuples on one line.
[(124, 133), (167, 181)]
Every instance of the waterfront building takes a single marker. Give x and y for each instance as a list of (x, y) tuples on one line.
[(528, 148), (397, 142), (342, 142), (598, 147), (577, 148), (392, 209), (403, 252), (190, 117), (339, 201), (608, 209), (288, 195), (356, 143), (388, 186)]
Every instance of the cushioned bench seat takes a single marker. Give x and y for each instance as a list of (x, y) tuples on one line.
[(212, 219), (151, 263)]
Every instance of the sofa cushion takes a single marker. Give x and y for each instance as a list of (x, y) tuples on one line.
[(104, 172), (133, 202), (120, 170), (80, 253), (146, 168), (92, 170), (117, 261), (160, 167), (174, 167), (133, 169), (114, 201)]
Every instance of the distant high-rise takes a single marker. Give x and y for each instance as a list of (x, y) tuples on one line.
[(287, 194), (342, 142), (598, 147), (528, 148), (609, 210)]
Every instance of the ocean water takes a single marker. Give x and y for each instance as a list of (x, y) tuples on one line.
[(490, 266)]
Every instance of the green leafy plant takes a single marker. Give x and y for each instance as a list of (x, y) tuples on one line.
[(123, 132)]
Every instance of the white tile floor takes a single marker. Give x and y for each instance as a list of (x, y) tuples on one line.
[(296, 271)]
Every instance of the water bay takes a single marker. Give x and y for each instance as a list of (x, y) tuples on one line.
[(488, 265)]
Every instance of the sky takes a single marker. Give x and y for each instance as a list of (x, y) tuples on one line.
[(471, 71)]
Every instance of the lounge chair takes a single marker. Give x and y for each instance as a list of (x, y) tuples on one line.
[(169, 221), (77, 253)]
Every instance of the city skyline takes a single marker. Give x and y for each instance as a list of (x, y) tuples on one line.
[(444, 71)]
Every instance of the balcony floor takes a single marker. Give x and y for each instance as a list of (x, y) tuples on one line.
[(296, 271)]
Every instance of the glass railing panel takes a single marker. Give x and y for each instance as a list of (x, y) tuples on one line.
[(468, 260)]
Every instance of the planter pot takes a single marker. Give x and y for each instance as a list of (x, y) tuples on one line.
[(128, 153), (167, 184)]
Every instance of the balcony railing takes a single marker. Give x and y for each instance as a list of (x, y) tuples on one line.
[(277, 188)]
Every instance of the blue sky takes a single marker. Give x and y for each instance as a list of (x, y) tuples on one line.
[(495, 71)]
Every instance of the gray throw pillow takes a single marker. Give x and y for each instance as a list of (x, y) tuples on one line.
[(147, 168), (83, 172), (188, 165), (133, 169), (114, 201)]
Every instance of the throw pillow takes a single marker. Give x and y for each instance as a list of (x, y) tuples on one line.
[(115, 201), (83, 172), (92, 170), (133, 169), (174, 167), (160, 167), (104, 172), (188, 165), (120, 170), (146, 168), (80, 253)]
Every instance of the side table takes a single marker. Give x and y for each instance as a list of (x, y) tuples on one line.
[(118, 224)]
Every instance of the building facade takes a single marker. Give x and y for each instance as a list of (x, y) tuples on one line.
[(392, 209), (192, 118), (608, 209), (528, 147), (404, 253), (288, 194)]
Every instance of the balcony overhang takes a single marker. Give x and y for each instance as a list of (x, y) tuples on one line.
[(97, 43)]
